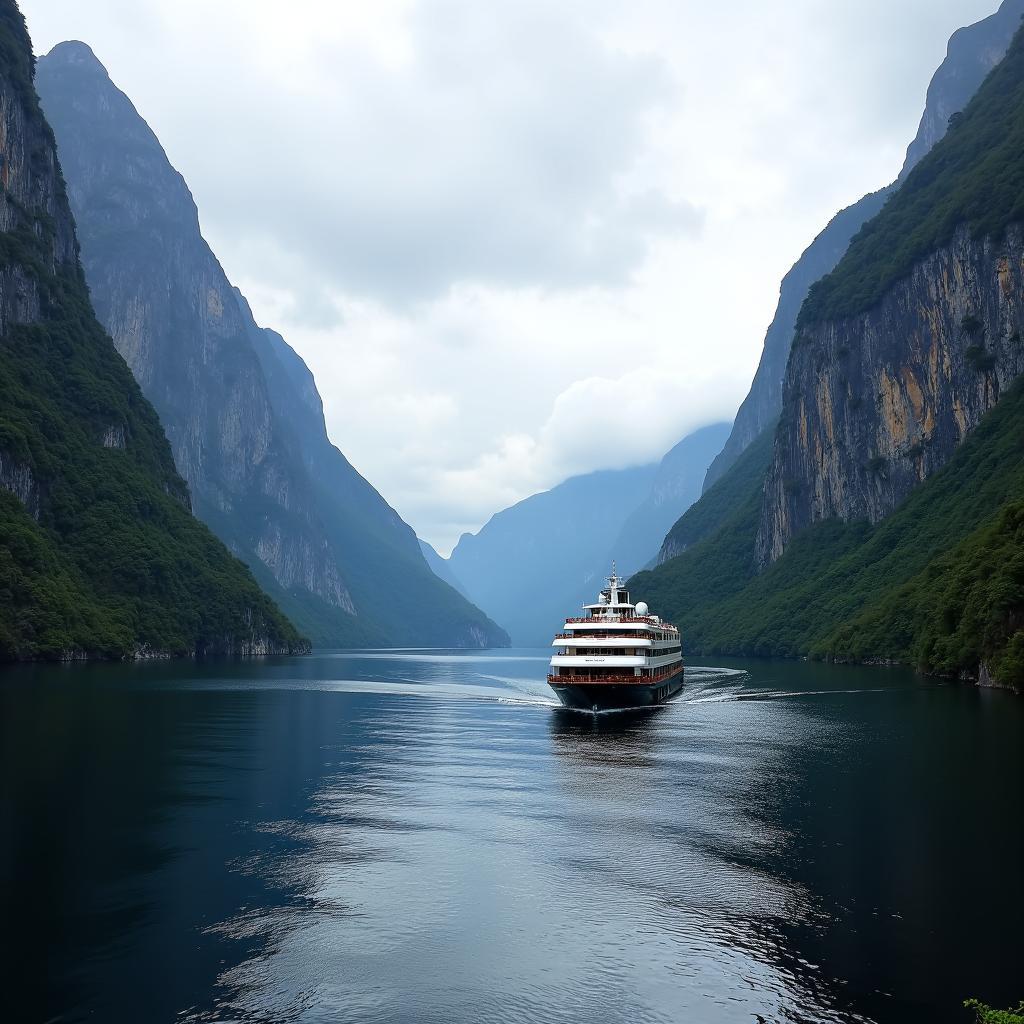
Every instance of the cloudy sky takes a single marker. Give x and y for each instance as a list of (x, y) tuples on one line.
[(517, 240)]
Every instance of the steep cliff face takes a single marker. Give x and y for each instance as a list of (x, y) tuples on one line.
[(913, 338), (395, 589), (878, 402), (764, 400), (972, 53), (240, 406), (172, 314), (99, 554), (938, 584)]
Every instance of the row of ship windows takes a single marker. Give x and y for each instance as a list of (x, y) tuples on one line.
[(629, 652)]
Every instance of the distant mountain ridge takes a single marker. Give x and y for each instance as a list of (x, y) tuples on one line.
[(543, 557), (675, 487), (442, 568), (971, 54), (240, 407), (532, 562)]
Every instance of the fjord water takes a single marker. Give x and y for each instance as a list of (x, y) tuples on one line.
[(423, 836)]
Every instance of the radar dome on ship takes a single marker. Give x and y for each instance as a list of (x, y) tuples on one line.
[(642, 609)]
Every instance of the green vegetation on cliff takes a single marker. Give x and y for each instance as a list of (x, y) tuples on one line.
[(974, 177), (984, 1014), (99, 554), (938, 584), (729, 495)]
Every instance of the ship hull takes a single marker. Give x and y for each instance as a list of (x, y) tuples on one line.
[(618, 696)]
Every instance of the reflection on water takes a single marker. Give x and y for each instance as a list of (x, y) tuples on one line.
[(421, 836)]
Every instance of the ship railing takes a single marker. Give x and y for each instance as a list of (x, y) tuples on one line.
[(620, 678), (602, 636), (615, 619)]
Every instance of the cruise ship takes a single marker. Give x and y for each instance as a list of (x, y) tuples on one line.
[(617, 655)]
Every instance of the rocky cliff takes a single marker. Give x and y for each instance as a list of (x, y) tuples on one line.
[(902, 350), (393, 584), (764, 400), (880, 521), (972, 53), (173, 316), (240, 407), (99, 553), (876, 403)]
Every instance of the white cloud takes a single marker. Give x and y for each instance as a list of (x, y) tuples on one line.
[(481, 222)]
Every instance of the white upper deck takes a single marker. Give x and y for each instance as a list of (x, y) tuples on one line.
[(614, 614)]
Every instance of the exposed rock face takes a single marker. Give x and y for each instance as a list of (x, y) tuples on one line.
[(96, 561), (764, 400), (972, 52), (31, 196), (875, 403), (172, 314), (114, 436), (18, 478), (240, 407), (31, 182)]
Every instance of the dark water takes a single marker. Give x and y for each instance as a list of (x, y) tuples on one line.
[(423, 837)]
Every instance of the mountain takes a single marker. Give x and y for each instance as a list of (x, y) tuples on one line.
[(888, 520), (973, 51), (441, 567), (938, 584), (539, 559), (676, 486), (763, 403), (718, 505), (971, 54), (904, 348), (100, 555), (531, 564), (240, 407)]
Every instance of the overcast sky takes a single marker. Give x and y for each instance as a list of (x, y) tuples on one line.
[(517, 241)]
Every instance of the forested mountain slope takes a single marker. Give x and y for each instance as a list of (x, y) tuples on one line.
[(887, 518), (938, 584), (972, 53), (99, 553)]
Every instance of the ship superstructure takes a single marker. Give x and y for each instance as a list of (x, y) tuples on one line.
[(616, 655)]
